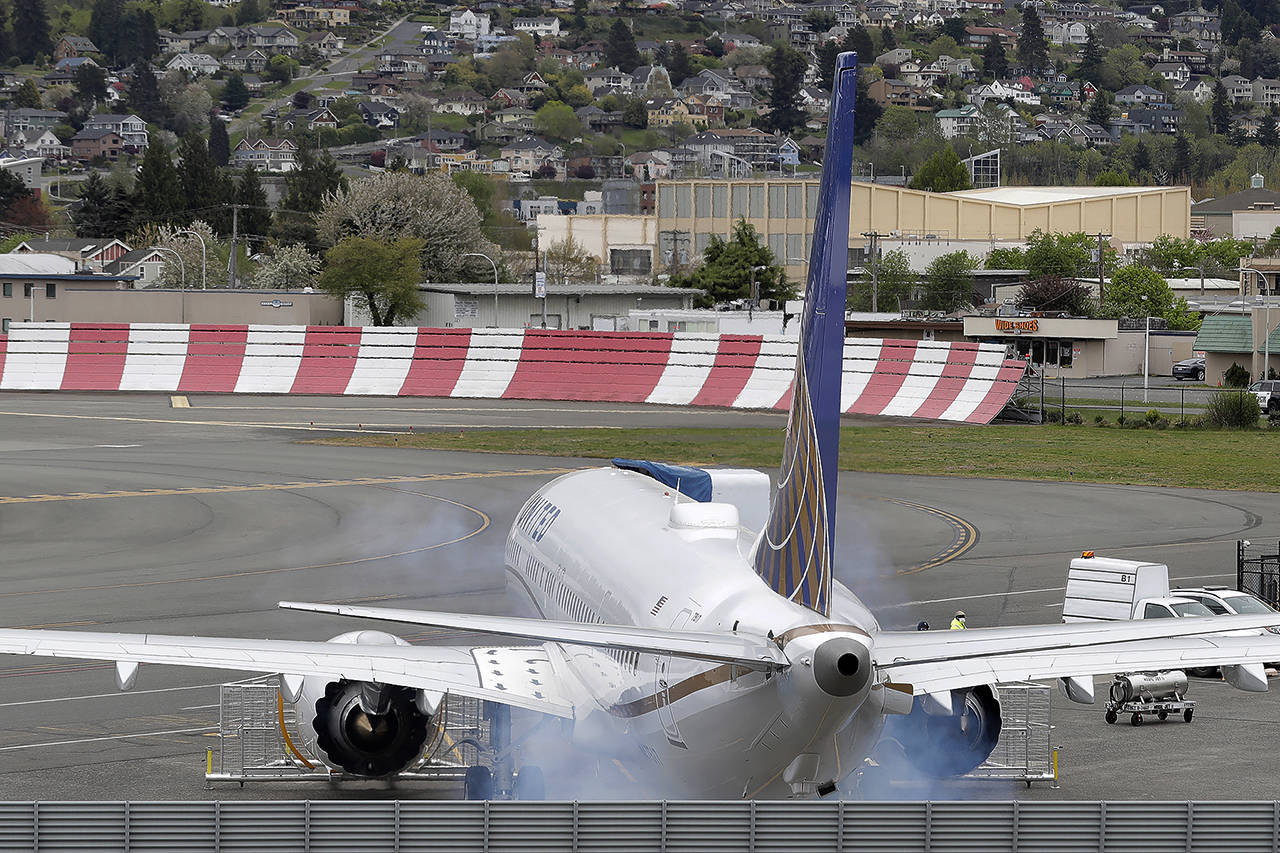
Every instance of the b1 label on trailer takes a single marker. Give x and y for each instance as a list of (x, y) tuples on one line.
[(1101, 589)]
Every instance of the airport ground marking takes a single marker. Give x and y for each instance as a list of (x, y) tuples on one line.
[(76, 741), (966, 536)]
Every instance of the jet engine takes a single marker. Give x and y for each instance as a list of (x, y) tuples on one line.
[(363, 727), (950, 744)]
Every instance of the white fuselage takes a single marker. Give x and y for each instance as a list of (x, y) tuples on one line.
[(599, 546)]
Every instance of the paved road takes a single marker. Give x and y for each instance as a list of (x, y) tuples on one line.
[(118, 513)]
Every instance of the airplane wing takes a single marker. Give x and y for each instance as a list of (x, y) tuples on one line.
[(934, 661), (482, 672), (720, 647)]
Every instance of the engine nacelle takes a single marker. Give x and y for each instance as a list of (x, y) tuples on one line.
[(950, 744), (362, 727)]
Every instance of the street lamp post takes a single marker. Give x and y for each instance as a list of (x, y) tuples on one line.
[(1146, 347), (495, 281), (204, 257), (182, 270), (755, 292), (1266, 321)]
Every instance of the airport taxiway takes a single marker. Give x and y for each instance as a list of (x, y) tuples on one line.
[(123, 513)]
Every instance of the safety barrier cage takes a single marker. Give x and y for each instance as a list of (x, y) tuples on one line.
[(1024, 750), (1257, 571), (644, 827)]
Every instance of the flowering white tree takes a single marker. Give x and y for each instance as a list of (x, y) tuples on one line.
[(216, 252), (396, 205), (288, 268)]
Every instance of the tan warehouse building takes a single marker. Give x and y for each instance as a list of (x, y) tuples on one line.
[(688, 213)]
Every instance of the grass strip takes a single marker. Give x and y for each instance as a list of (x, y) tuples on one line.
[(1211, 459)]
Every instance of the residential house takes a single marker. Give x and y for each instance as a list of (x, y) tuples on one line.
[(439, 63), (402, 63), (96, 143), (1139, 95), (309, 120), (897, 56), (250, 59), (665, 112), (461, 103), (43, 144), (1068, 33), (596, 119), (650, 79), (378, 114), (708, 110), (979, 37), (468, 25), (314, 16), (325, 43), (1266, 92), (1238, 88), (195, 64), (606, 78), (146, 264), (227, 37), (1196, 60), (1083, 133), (255, 84), (266, 155), (958, 122), (1156, 120), (132, 130), (589, 55), (650, 165), (528, 154), (26, 119), (1197, 89), (273, 37), (531, 84), (754, 77), (505, 98), (1197, 25), (538, 27), (70, 46), (89, 253), (1175, 72), (996, 90), (900, 93), (445, 140), (733, 41)]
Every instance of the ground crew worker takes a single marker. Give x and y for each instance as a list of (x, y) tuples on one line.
[(922, 625), (957, 624)]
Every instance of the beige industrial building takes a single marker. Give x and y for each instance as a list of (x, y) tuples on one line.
[(688, 213)]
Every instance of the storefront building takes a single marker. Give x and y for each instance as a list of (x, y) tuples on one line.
[(1078, 348)]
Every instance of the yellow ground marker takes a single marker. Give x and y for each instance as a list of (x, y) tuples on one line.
[(179, 401)]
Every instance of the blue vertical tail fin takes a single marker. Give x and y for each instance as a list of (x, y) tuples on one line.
[(797, 546)]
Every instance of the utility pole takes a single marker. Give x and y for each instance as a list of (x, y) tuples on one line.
[(1101, 262), (873, 249), (235, 226)]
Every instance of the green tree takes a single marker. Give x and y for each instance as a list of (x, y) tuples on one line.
[(635, 115), (569, 260), (1221, 108), (105, 21), (677, 64), (198, 178), (219, 143), (995, 63), (715, 45), (31, 26), (27, 96), (1268, 134), (139, 36), (825, 56), (942, 173), (1138, 291), (249, 12), (1090, 65), (235, 94), (282, 68), (12, 189), (1064, 255), (858, 40), (894, 282), (1112, 178), (1052, 293), (157, 195), (788, 67), (620, 47), (380, 276), (255, 218), (1100, 111), (90, 83), (948, 282), (728, 267), (6, 37), (144, 94), (95, 197), (1006, 258), (1181, 166), (306, 187), (557, 120), (1033, 48)]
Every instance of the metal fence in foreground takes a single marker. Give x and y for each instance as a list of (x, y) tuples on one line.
[(644, 827)]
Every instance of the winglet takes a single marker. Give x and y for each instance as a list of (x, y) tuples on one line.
[(795, 552)]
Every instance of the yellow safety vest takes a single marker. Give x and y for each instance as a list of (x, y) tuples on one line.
[(957, 625)]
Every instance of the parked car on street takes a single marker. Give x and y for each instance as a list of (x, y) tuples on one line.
[(1268, 394), (1189, 368)]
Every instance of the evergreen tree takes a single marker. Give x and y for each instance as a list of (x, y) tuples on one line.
[(249, 12), (198, 177), (1033, 49), (942, 173), (715, 44), (27, 96), (858, 40), (995, 63), (788, 66), (825, 56), (95, 198), (144, 94), (305, 189), (235, 94), (255, 218), (31, 28), (1090, 58), (157, 195), (620, 48), (90, 83), (867, 112), (6, 37), (1220, 111), (888, 41), (105, 23), (678, 65), (1141, 158), (1268, 135), (1100, 111), (219, 144), (139, 37), (1181, 165)]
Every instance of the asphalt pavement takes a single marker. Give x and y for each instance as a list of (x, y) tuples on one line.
[(120, 513)]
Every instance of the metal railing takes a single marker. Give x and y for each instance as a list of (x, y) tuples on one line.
[(645, 827), (1024, 750)]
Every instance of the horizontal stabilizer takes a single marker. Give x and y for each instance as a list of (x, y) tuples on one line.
[(746, 651)]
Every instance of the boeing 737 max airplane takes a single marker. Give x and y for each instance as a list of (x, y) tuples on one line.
[(690, 621)]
